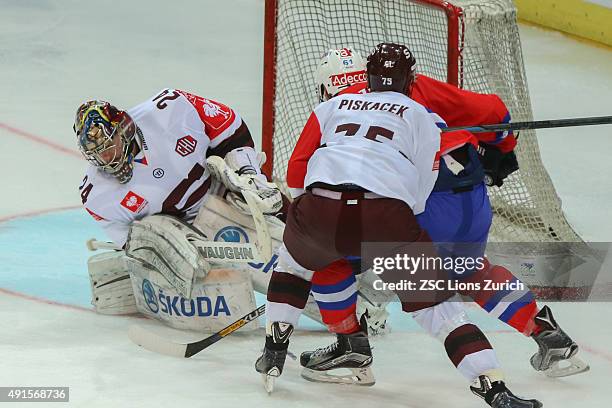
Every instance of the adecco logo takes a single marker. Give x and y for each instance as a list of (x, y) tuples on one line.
[(349, 78), (345, 53)]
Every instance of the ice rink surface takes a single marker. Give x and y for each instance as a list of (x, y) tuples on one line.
[(56, 54)]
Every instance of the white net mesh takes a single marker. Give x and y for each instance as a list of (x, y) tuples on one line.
[(527, 207)]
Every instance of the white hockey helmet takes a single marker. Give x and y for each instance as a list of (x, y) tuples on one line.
[(338, 70)]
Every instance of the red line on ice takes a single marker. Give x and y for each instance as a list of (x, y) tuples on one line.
[(40, 140), (37, 212), (45, 301), (600, 353)]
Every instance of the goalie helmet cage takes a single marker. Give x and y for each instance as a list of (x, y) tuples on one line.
[(473, 44)]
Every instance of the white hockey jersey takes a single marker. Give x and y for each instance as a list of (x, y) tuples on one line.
[(383, 142), (169, 175)]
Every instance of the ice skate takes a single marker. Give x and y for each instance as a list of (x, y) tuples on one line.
[(270, 364), (497, 395), (556, 356), (351, 352)]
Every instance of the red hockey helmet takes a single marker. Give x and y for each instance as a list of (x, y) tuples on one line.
[(391, 67)]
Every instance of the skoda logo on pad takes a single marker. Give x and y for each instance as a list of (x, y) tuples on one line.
[(149, 296), (231, 234)]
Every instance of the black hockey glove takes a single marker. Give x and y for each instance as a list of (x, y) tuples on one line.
[(497, 165)]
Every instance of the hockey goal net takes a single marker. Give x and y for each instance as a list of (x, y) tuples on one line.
[(473, 44)]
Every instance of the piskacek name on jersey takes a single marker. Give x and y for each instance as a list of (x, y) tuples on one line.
[(395, 108)]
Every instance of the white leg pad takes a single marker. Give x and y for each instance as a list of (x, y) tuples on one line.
[(111, 288)]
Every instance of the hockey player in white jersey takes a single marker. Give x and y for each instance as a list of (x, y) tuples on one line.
[(147, 182), (152, 158)]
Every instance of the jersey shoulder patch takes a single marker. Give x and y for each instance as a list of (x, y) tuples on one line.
[(216, 116)]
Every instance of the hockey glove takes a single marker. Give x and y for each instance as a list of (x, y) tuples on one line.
[(497, 165)]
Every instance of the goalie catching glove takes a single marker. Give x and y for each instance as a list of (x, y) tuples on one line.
[(239, 171)]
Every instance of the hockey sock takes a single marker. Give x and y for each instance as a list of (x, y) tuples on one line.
[(470, 351), (287, 296), (514, 306), (335, 290)]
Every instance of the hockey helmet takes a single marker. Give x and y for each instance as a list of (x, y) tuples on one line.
[(105, 136), (337, 70), (391, 67)]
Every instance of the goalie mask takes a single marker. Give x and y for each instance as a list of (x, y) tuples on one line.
[(105, 135), (337, 70)]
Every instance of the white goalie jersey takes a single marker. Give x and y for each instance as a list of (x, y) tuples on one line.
[(176, 131)]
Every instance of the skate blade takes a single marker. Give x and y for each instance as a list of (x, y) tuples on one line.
[(268, 379), (358, 376), (268, 383), (565, 368)]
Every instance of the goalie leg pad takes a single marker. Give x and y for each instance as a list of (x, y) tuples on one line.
[(111, 288), (162, 243), (220, 221), (217, 300)]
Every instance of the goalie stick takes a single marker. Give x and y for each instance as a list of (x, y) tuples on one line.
[(536, 124), (93, 245), (217, 166), (159, 344)]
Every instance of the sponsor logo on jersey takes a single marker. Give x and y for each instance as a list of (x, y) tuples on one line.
[(236, 234), (149, 296), (350, 78), (133, 202), (94, 215), (202, 306), (186, 145), (158, 173)]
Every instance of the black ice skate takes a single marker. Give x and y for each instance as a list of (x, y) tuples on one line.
[(349, 351), (556, 356), (497, 395), (270, 364)]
